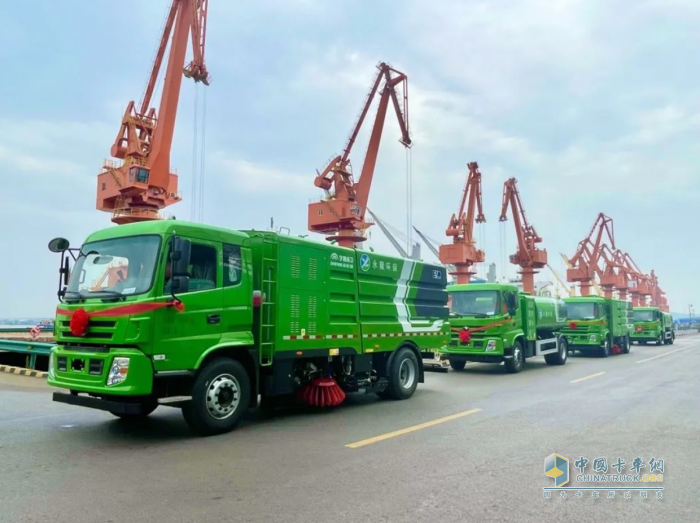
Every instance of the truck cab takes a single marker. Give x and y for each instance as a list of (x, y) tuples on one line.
[(598, 325), (495, 323), (652, 325)]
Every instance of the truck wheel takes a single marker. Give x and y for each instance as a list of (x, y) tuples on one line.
[(605, 350), (626, 345), (673, 338), (660, 339), (457, 364), (147, 407), (403, 375), (516, 363), (558, 358), (220, 396)]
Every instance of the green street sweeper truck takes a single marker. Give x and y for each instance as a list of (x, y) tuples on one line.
[(208, 319), (652, 325), (495, 323), (598, 325)]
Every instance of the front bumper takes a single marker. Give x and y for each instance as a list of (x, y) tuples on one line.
[(115, 407), (85, 371), (475, 350)]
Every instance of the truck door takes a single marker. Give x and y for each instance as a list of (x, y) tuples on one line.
[(237, 307), (180, 338)]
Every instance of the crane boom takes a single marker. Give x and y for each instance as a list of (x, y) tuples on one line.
[(433, 249), (528, 256), (341, 215), (462, 252), (390, 236), (583, 265), (142, 184)]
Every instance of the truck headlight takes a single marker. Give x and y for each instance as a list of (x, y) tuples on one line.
[(118, 372), (593, 338), (491, 345), (51, 357)]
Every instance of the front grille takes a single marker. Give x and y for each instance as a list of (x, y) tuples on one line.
[(93, 323), (86, 348), (96, 367), (91, 333)]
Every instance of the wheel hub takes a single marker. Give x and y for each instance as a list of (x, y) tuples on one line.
[(407, 373), (223, 396)]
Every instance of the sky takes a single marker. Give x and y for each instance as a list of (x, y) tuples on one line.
[(593, 105)]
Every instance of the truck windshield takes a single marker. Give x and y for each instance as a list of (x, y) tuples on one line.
[(475, 303), (581, 311), (644, 316), (121, 266)]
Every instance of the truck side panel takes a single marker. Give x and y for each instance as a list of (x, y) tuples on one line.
[(401, 299)]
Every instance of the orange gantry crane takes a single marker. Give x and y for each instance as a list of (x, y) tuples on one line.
[(140, 183), (341, 214), (584, 264), (462, 252), (528, 256)]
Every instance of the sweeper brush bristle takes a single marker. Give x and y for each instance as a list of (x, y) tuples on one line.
[(321, 392), (616, 349)]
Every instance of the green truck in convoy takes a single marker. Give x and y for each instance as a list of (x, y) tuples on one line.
[(598, 325), (207, 319), (651, 324), (494, 323)]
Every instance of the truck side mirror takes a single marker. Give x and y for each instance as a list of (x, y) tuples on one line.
[(180, 256), (511, 303), (59, 245), (65, 270), (180, 284)]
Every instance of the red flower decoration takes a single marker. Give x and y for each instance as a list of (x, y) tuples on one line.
[(79, 322), (465, 336), (573, 325), (639, 329)]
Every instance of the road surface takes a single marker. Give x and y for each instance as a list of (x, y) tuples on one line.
[(469, 446)]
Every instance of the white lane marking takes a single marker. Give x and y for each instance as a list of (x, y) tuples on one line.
[(664, 354), (587, 377)]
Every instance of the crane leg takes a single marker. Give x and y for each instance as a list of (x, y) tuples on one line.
[(528, 275), (585, 288)]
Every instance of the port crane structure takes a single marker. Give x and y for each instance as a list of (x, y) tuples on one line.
[(340, 215), (140, 182), (462, 252), (528, 256)]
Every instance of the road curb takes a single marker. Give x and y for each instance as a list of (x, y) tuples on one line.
[(20, 371)]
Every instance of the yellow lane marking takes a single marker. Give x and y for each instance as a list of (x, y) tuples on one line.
[(427, 424), (662, 355), (587, 377)]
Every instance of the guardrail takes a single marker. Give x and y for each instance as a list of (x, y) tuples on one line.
[(31, 348)]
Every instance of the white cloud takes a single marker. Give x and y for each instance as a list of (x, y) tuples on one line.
[(251, 178)]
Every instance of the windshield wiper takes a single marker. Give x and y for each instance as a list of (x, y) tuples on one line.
[(116, 294), (475, 314)]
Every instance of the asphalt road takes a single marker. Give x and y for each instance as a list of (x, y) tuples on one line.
[(481, 460)]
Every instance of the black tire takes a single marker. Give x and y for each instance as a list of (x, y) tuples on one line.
[(517, 362), (660, 340), (673, 338), (220, 397), (457, 364), (605, 349), (558, 358), (403, 374), (147, 408), (626, 345)]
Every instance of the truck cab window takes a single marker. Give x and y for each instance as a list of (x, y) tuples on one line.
[(202, 269), (232, 264)]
